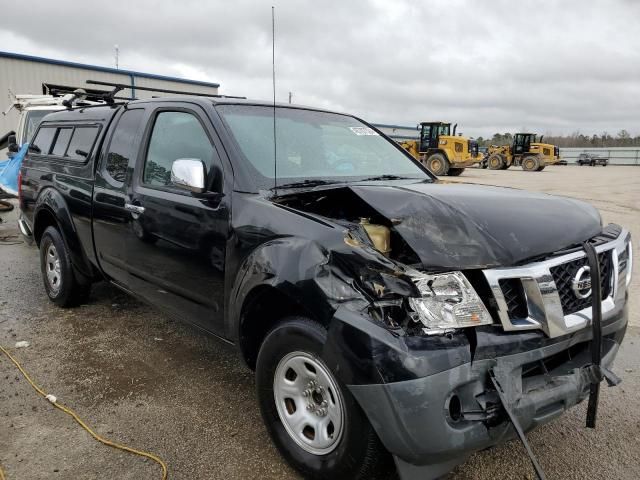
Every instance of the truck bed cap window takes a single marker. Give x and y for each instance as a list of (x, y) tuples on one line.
[(81, 142), (73, 141), (62, 141), (43, 139)]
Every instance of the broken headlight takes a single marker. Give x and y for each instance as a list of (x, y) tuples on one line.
[(448, 301)]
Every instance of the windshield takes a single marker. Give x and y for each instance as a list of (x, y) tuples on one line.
[(313, 145), (33, 119)]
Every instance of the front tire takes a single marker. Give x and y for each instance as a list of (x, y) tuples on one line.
[(496, 162), (311, 416), (531, 163), (63, 286), (438, 164)]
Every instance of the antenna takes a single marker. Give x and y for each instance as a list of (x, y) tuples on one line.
[(117, 49), (273, 72)]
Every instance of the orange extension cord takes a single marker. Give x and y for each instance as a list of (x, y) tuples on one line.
[(75, 416)]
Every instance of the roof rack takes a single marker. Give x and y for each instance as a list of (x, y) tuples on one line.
[(90, 94), (117, 87)]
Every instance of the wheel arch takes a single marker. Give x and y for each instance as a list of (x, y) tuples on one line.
[(278, 279), (51, 210), (43, 219), (264, 307)]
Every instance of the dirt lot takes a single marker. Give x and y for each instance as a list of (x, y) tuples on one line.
[(155, 384)]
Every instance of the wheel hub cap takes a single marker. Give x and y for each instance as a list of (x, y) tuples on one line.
[(309, 402), (54, 277)]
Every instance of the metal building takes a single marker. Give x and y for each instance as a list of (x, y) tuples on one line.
[(26, 74), (398, 132)]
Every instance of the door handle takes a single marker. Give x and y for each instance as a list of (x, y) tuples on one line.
[(137, 209)]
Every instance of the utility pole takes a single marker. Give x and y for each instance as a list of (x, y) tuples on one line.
[(290, 96), (117, 52)]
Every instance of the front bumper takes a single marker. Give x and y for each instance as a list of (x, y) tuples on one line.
[(434, 422)]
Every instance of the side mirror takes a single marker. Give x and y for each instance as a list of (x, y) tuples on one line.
[(12, 144), (189, 174)]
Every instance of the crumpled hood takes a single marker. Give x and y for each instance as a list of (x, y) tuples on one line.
[(462, 226)]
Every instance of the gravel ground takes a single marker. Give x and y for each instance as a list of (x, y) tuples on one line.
[(158, 385)]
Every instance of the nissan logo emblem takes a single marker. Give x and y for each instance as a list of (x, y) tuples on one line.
[(581, 283)]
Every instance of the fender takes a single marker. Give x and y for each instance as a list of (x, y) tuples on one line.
[(289, 264), (52, 201)]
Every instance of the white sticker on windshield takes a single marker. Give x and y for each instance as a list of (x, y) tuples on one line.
[(363, 131)]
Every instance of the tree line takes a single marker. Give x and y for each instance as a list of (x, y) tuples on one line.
[(577, 140)]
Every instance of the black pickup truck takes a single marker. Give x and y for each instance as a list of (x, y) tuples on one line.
[(592, 160), (387, 315)]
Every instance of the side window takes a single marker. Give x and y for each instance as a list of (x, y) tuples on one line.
[(123, 145), (62, 141), (175, 135), (43, 140), (82, 142)]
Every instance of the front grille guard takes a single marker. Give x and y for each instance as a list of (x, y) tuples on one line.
[(541, 293)]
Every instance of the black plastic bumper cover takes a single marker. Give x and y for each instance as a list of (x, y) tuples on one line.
[(412, 417)]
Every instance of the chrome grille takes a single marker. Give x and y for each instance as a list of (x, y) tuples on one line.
[(540, 296), (564, 273), (515, 297)]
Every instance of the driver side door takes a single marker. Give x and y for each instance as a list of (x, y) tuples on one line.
[(177, 256)]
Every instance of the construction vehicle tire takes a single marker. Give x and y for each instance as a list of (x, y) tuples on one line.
[(540, 168), (455, 172), (530, 163), (496, 162), (437, 164)]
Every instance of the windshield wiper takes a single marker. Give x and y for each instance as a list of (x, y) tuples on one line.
[(305, 183), (386, 177)]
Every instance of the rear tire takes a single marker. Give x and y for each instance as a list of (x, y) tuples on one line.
[(496, 162), (64, 287), (455, 172), (530, 163), (437, 164), (288, 361)]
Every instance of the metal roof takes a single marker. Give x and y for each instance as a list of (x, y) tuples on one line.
[(386, 125), (96, 68)]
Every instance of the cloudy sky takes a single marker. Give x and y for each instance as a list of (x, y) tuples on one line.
[(491, 66)]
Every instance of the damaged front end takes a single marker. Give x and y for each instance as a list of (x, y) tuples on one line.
[(444, 361)]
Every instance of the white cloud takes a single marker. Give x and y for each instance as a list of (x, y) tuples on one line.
[(489, 66)]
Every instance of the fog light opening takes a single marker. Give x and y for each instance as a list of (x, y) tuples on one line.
[(455, 408)]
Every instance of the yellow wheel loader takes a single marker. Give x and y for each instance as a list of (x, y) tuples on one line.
[(441, 151), (526, 151)]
